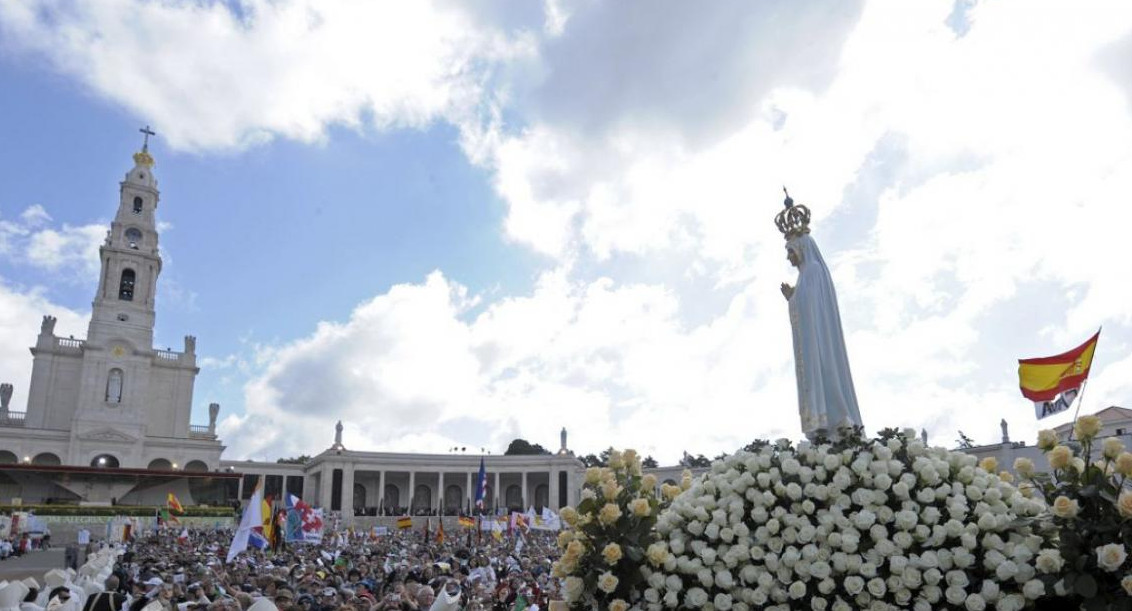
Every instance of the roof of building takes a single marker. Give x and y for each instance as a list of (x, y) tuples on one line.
[(1109, 415)]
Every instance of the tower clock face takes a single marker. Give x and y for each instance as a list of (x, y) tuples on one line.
[(118, 351)]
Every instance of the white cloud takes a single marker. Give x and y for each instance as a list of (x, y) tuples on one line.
[(71, 251), (21, 311), (214, 75)]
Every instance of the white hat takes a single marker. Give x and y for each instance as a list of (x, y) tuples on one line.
[(11, 595), (55, 578), (263, 604), (153, 581), (30, 582)]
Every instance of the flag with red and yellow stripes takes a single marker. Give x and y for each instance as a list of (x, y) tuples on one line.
[(1053, 382)]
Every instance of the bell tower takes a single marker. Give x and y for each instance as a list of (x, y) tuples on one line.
[(123, 307)]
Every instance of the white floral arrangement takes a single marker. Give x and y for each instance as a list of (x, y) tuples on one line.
[(887, 523)]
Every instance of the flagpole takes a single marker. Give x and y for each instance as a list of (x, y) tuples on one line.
[(1080, 400)]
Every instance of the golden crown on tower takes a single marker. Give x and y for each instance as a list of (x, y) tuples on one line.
[(794, 221)]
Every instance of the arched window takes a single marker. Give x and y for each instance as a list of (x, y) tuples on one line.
[(452, 499), (114, 383), (160, 464), (126, 286), (392, 496), (542, 497), (133, 237), (46, 458), (8, 458), (137, 205), (513, 498), (422, 498), (359, 496), (197, 466)]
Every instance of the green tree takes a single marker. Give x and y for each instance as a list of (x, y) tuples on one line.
[(965, 442), (590, 460), (522, 447), (649, 463), (301, 459)]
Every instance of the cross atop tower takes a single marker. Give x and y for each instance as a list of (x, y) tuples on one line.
[(148, 132)]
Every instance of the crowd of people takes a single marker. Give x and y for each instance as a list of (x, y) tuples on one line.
[(349, 571)]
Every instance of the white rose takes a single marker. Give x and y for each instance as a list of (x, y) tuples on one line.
[(1111, 556), (854, 585), (722, 602), (877, 587), (975, 602), (1034, 589), (696, 598), (573, 588), (1049, 561), (797, 590), (673, 583), (955, 595), (1011, 602)]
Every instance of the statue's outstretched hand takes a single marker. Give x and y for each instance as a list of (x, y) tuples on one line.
[(787, 291)]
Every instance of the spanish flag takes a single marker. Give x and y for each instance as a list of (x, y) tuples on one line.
[(405, 522), (172, 503), (466, 522), (1053, 382)]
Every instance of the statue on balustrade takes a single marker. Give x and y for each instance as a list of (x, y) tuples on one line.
[(827, 401)]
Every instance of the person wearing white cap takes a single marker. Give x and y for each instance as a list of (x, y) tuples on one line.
[(61, 600), (263, 604), (11, 595)]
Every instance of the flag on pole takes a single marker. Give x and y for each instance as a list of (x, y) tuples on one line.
[(172, 503), (426, 529), (481, 486), (466, 522), (1053, 382), (183, 538), (249, 522), (405, 522), (440, 531), (167, 518)]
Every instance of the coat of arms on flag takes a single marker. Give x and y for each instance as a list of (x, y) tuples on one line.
[(1054, 382)]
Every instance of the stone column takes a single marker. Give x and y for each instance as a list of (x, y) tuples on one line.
[(468, 495), (440, 493), (412, 490), (348, 494), (495, 492), (325, 484), (381, 491), (552, 502), (523, 492)]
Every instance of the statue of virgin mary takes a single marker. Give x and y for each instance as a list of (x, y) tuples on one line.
[(827, 401)]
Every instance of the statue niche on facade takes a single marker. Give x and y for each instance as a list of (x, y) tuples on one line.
[(827, 401)]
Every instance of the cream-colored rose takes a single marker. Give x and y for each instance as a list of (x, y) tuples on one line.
[(1111, 556), (640, 507), (669, 491), (1046, 439), (564, 538), (630, 456), (616, 461), (1077, 464), (569, 515), (1124, 464), (657, 554), (575, 548), (1087, 427), (558, 570), (1059, 457), (989, 464), (1064, 507), (1027, 490), (609, 514), (607, 582), (611, 553), (568, 564), (686, 480), (573, 588), (618, 605), (648, 483), (1006, 476), (1112, 447), (593, 475), (1124, 504), (1126, 583), (1024, 466), (610, 490)]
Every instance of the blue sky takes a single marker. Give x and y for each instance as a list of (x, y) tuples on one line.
[(457, 223)]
